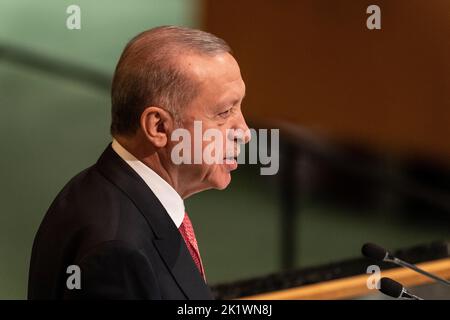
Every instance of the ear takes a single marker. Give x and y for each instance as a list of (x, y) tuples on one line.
[(157, 123)]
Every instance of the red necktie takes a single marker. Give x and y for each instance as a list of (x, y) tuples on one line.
[(187, 231)]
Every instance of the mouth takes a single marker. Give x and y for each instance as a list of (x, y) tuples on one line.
[(230, 163)]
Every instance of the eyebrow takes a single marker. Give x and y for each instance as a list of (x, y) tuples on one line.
[(235, 101)]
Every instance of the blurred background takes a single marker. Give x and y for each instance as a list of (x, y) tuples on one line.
[(364, 118)]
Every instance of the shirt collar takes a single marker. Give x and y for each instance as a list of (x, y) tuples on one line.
[(166, 194)]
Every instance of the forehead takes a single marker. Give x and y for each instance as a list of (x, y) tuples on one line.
[(218, 75)]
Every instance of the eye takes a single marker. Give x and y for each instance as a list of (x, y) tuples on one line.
[(225, 114)]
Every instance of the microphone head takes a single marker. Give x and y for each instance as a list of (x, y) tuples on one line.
[(372, 251), (391, 287)]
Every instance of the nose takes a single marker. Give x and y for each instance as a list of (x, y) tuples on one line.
[(242, 132)]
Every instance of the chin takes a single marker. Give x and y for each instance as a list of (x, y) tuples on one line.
[(222, 180), (218, 177)]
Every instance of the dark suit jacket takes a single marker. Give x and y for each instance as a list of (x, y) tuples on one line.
[(108, 222)]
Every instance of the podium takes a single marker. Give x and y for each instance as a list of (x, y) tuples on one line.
[(346, 279)]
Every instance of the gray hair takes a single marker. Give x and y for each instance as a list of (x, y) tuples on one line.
[(148, 74)]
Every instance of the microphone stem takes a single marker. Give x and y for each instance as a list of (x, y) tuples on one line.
[(423, 272), (416, 297), (409, 296)]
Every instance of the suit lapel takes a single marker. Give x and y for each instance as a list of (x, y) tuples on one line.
[(168, 242), (183, 268)]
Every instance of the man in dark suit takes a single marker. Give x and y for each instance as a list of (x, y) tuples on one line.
[(118, 230)]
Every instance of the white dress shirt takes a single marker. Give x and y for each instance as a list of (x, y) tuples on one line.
[(166, 194)]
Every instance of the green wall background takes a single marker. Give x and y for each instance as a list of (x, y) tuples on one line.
[(51, 128)]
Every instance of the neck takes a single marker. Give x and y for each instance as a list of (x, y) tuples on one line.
[(152, 158)]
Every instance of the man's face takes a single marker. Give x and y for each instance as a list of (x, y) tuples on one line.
[(217, 106)]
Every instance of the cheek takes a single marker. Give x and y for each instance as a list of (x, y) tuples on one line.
[(217, 176)]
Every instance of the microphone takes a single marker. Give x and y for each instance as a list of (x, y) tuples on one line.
[(378, 253), (394, 289)]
